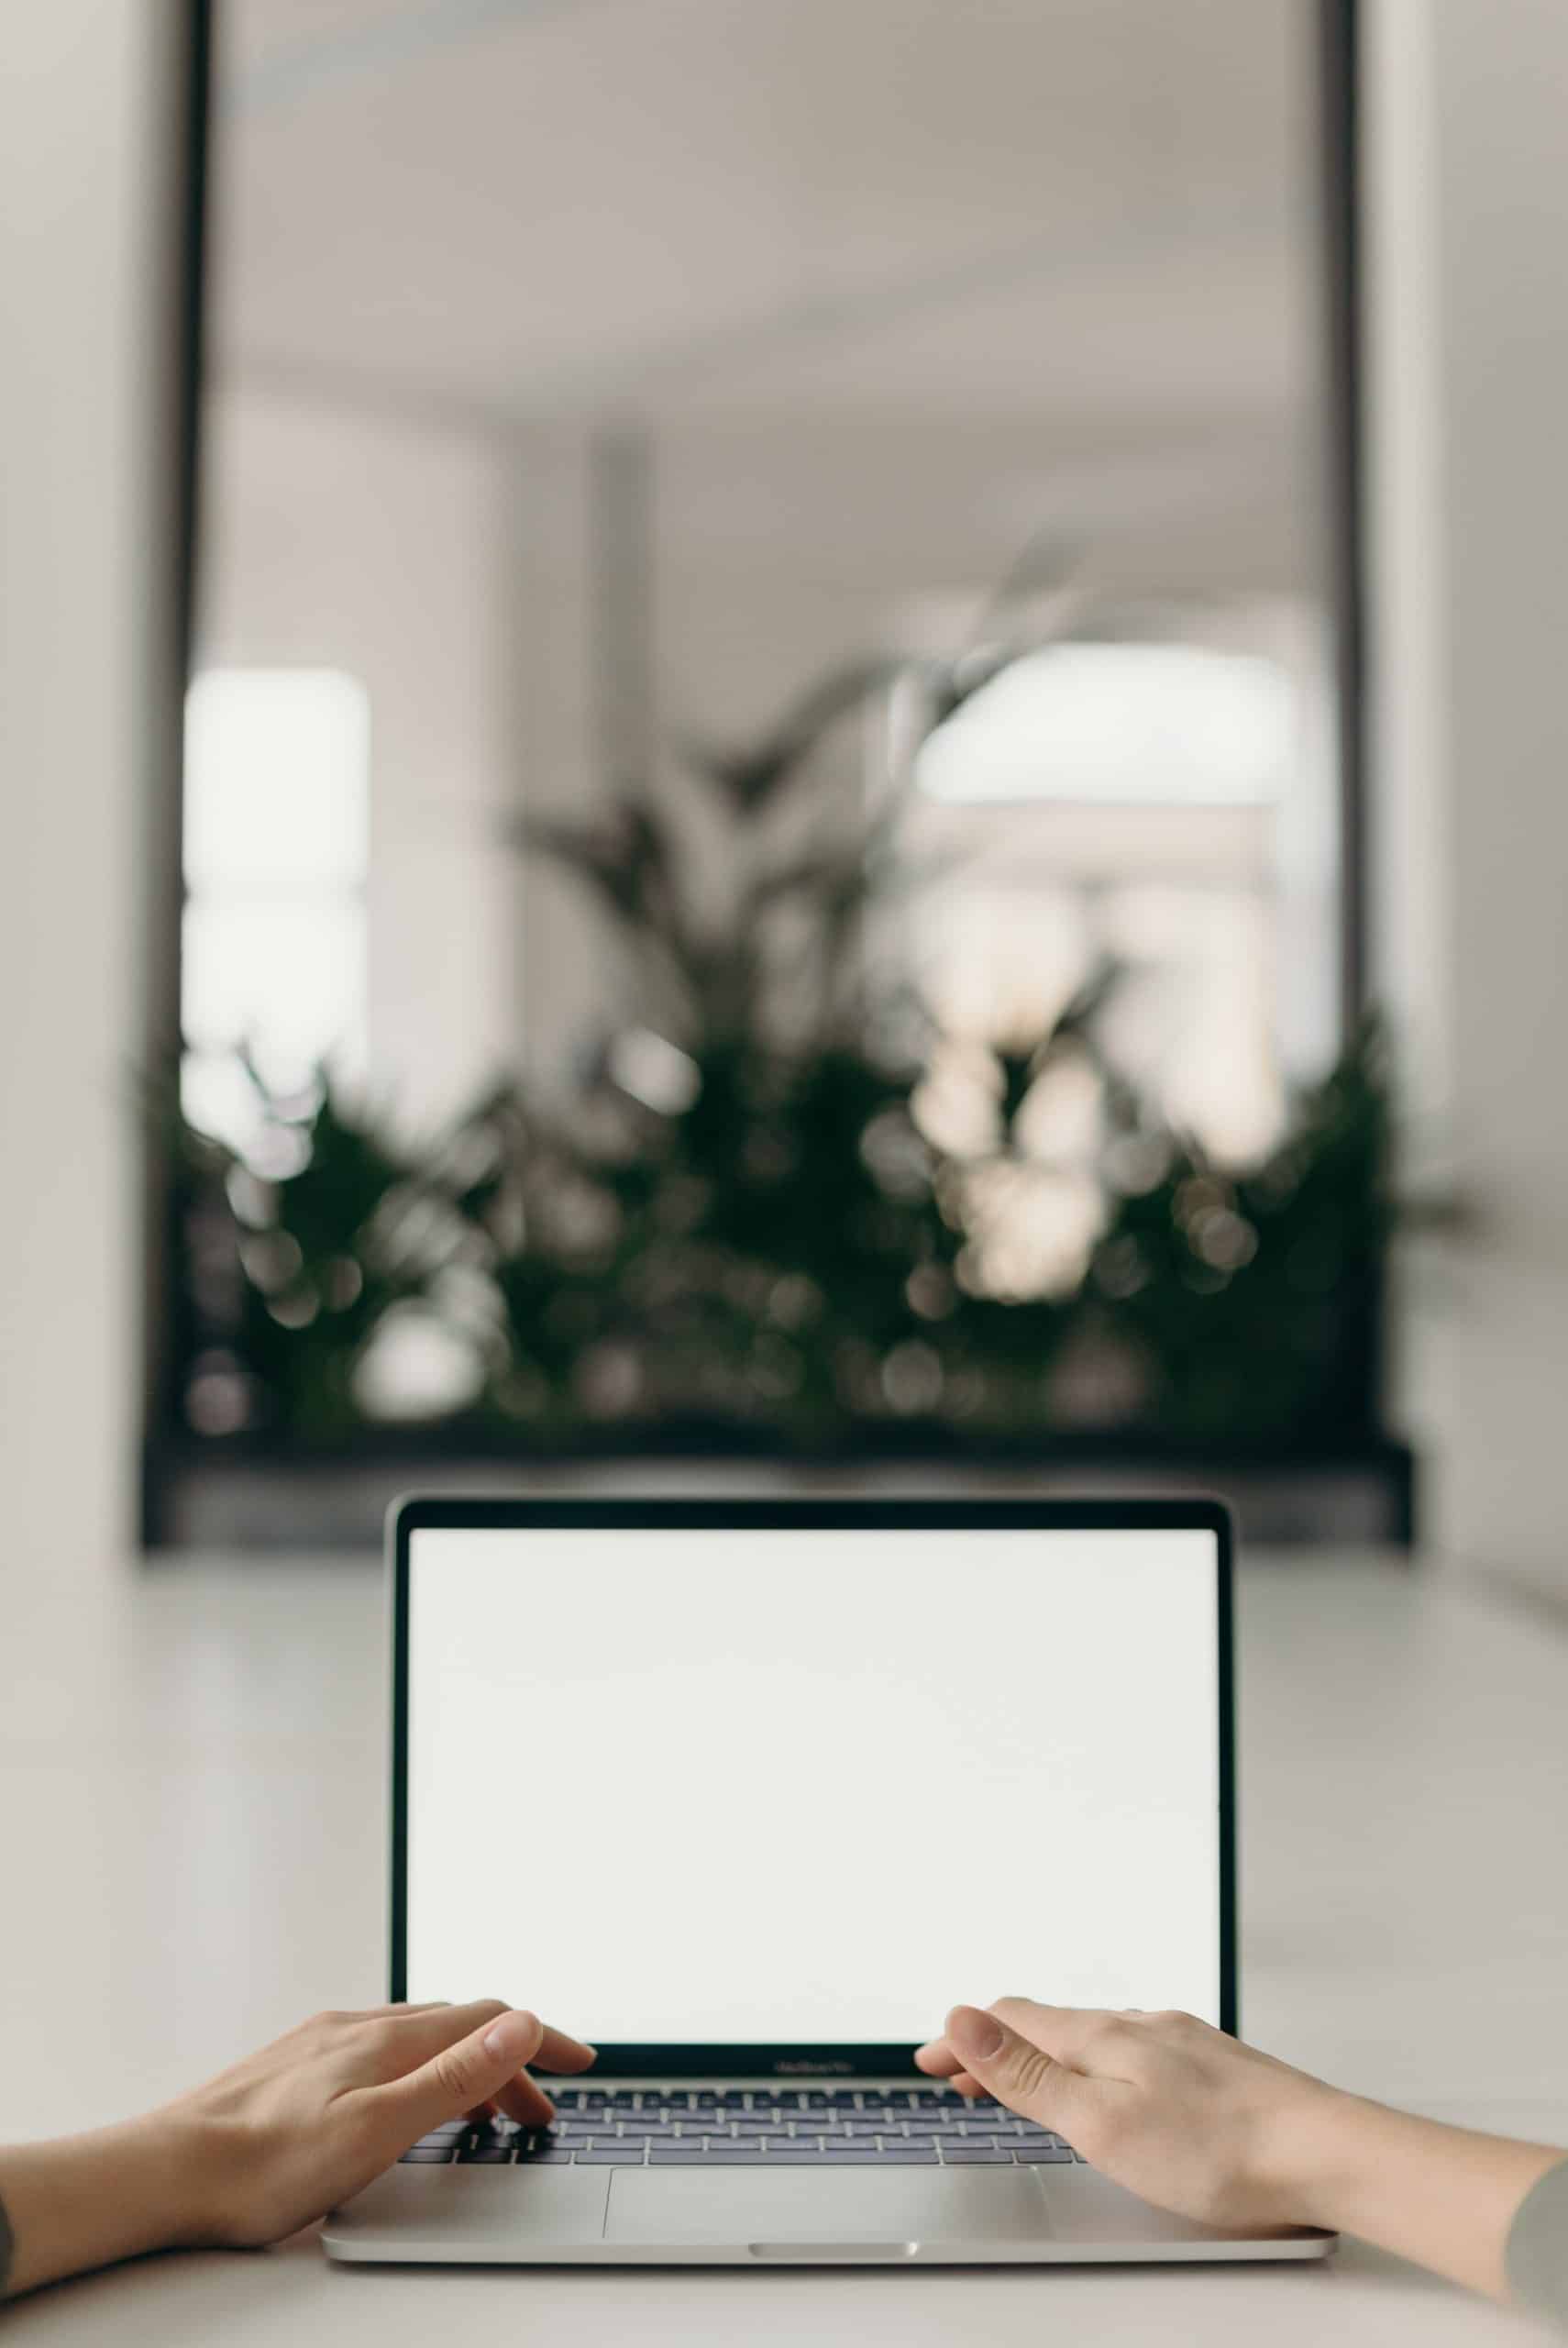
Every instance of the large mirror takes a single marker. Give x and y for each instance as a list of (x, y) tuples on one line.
[(763, 835)]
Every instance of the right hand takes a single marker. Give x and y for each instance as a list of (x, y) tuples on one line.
[(1175, 2111)]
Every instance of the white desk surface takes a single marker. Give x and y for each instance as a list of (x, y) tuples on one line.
[(192, 1788)]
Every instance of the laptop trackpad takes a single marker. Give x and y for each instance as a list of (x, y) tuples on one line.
[(890, 2212)]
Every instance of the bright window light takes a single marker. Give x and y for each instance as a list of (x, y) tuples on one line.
[(1120, 723), (277, 782), (276, 838), (289, 979)]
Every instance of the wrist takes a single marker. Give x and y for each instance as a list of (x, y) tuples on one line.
[(1310, 2162), (186, 2165), (84, 2202), (1444, 2198)]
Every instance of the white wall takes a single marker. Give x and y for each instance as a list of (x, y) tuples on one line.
[(336, 537), (85, 156), (1468, 318)]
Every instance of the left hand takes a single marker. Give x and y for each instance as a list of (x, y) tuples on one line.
[(280, 2139)]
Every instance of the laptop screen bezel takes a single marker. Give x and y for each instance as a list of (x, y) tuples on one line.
[(802, 2061)]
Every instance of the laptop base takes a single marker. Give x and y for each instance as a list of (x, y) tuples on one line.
[(822, 2217)]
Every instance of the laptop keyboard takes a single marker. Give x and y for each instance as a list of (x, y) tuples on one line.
[(751, 2127)]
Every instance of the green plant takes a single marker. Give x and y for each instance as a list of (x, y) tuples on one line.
[(289, 1275), (739, 1222)]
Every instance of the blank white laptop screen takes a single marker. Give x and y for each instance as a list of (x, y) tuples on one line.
[(800, 1786)]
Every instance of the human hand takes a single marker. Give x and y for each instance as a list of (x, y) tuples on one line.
[(1202, 2124), (301, 2126), (280, 2139), (1176, 2111)]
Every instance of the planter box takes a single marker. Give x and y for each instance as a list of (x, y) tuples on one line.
[(217, 1497)]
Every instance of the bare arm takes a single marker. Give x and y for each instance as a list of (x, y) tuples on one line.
[(1202, 2124), (277, 2141)]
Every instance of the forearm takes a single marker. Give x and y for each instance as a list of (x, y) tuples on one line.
[(1444, 2198), (84, 2201)]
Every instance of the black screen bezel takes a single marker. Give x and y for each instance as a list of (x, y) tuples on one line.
[(835, 2059)]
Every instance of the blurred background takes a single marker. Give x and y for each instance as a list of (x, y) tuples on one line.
[(808, 784)]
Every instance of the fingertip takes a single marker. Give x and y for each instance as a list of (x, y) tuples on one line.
[(514, 2036), (974, 2036), (523, 2100)]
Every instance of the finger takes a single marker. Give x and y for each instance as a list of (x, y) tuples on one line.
[(936, 2059), (458, 2076), (431, 2028), (525, 2100), (1012, 2069), (939, 2062), (558, 2051), (436, 2027)]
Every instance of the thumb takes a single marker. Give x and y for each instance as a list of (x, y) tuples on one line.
[(1012, 2069), (463, 2074)]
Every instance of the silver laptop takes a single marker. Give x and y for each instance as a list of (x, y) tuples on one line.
[(747, 1794)]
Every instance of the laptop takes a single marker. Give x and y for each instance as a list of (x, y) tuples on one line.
[(749, 1793)]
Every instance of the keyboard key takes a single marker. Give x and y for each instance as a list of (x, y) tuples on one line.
[(425, 2157), (483, 2156), (867, 2157), (679, 2157), (742, 2155), (608, 2156), (1040, 2155), (908, 2155), (554, 2159), (975, 2157)]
